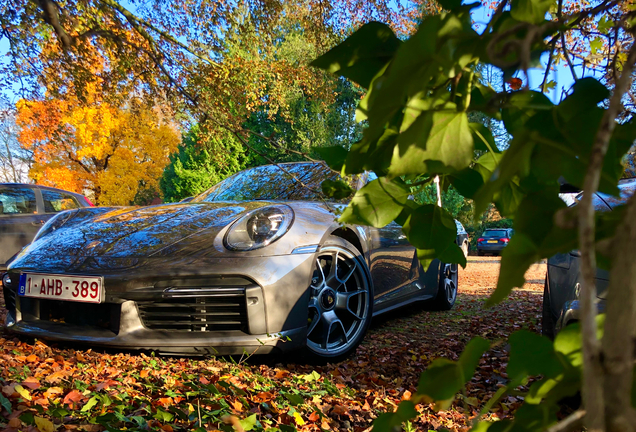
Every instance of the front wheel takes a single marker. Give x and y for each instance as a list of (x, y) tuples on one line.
[(340, 303), (447, 289)]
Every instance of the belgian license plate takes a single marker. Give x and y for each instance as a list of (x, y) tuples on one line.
[(493, 241), (87, 289)]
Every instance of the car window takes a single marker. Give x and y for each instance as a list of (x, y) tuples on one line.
[(495, 233), (58, 201), (17, 201), (460, 227), (293, 182)]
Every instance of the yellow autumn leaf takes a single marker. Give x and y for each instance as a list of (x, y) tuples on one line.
[(44, 425), (22, 392), (299, 419)]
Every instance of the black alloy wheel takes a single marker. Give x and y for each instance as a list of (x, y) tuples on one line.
[(447, 290), (341, 302)]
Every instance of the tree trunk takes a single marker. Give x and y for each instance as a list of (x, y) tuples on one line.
[(593, 373), (620, 327), (594, 387)]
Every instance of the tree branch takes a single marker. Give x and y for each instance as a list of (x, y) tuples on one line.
[(549, 65), (592, 369), (50, 14), (137, 24), (572, 422)]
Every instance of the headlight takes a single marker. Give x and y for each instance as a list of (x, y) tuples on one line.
[(54, 223), (259, 228)]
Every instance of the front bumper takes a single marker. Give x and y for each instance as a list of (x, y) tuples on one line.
[(267, 311)]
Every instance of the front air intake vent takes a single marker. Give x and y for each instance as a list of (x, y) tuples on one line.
[(196, 310)]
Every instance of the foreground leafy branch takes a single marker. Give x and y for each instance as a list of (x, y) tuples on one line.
[(420, 93)]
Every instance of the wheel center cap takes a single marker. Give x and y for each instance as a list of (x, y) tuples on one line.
[(328, 299)]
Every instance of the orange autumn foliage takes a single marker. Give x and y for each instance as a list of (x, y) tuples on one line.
[(111, 153)]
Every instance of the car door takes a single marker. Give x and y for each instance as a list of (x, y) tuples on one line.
[(19, 219)]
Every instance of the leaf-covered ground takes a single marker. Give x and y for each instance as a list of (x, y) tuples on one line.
[(46, 388)]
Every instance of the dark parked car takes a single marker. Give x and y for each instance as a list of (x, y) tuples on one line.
[(562, 283), (257, 262), (24, 208), (462, 237), (494, 240)]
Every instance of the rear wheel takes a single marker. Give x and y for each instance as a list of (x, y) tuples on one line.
[(447, 290), (340, 304), (548, 325)]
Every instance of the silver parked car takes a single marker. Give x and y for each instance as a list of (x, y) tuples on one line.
[(256, 262)]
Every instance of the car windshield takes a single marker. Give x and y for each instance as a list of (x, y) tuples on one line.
[(289, 182), (495, 233)]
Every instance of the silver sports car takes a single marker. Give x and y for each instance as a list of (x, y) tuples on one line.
[(257, 262)]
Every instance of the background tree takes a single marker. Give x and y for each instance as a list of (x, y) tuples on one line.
[(195, 167), (177, 52), (15, 161), (115, 153)]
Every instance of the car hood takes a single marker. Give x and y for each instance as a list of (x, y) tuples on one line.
[(146, 232)]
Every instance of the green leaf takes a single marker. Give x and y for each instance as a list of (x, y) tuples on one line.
[(336, 189), (531, 11), (521, 106), (377, 203), (450, 5), (604, 25), (469, 359), (595, 45), (430, 227), (312, 377), (483, 138), (5, 403), (441, 380), (163, 416), (586, 93), (568, 341), (362, 55), (516, 258), (294, 399), (437, 141), (248, 423), (90, 404), (388, 422), (27, 417), (372, 153), (467, 181), (480, 96), (531, 355), (334, 156), (482, 426), (535, 417)]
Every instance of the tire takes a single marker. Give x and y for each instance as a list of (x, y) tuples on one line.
[(447, 288), (548, 325), (465, 249), (340, 304)]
